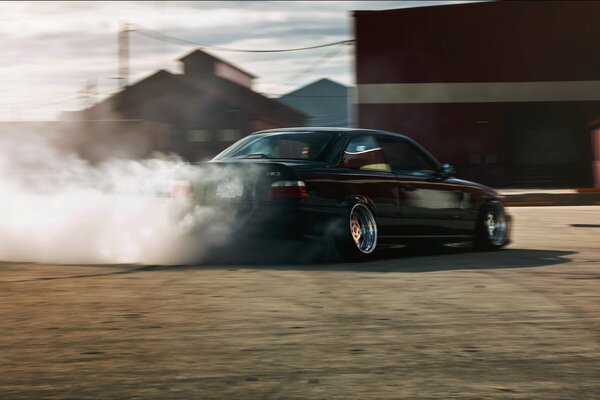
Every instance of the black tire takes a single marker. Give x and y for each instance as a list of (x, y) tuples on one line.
[(492, 231), (356, 233)]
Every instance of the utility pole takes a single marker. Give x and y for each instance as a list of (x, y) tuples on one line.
[(124, 55), (92, 91), (88, 95)]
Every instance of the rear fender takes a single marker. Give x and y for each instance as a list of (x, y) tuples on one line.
[(352, 200)]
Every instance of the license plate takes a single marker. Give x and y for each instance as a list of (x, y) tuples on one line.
[(230, 190)]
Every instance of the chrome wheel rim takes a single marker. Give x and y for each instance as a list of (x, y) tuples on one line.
[(496, 225), (363, 228)]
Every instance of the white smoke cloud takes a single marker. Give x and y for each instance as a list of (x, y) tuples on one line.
[(56, 207)]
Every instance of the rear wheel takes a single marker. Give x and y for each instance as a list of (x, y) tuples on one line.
[(357, 236), (493, 227)]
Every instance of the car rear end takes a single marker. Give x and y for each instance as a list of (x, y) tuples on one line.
[(263, 198)]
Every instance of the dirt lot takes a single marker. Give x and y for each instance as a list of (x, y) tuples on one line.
[(522, 323)]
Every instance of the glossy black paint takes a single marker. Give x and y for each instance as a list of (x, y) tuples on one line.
[(407, 207)]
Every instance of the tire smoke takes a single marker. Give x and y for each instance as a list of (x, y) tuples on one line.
[(56, 207)]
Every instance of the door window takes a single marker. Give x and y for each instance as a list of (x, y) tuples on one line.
[(407, 159), (365, 153)]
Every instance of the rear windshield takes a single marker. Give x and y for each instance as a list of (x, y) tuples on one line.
[(280, 145)]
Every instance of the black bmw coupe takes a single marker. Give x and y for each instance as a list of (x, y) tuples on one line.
[(363, 189)]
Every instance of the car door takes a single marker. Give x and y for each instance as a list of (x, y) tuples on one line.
[(365, 172), (429, 205)]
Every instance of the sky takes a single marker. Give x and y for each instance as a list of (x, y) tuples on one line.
[(52, 50)]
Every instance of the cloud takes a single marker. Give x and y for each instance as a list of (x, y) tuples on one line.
[(51, 49)]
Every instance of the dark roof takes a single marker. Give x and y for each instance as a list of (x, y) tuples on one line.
[(204, 55), (157, 76), (240, 96)]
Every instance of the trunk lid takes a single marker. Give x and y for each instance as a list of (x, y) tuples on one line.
[(243, 182)]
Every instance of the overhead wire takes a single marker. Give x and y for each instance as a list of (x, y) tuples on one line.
[(65, 99), (29, 102), (297, 76), (154, 34), (175, 40), (35, 105)]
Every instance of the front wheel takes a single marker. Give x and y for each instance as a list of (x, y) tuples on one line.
[(357, 236), (493, 227)]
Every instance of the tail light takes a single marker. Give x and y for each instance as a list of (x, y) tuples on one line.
[(181, 190), (288, 190)]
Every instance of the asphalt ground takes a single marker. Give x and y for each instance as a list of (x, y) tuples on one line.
[(520, 323)]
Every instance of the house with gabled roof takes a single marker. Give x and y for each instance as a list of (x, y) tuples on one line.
[(205, 109)]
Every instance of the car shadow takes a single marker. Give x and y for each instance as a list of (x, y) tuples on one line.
[(286, 256), (299, 256)]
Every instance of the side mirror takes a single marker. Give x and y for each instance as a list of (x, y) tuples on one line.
[(446, 171)]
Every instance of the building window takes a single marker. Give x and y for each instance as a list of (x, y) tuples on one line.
[(199, 135), (228, 135)]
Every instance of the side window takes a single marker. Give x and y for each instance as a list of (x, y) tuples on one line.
[(365, 153), (405, 158)]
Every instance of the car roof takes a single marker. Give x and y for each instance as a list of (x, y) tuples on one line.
[(339, 130)]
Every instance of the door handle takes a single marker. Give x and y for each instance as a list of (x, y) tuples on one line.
[(408, 187)]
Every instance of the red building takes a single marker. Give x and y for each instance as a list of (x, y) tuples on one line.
[(508, 92)]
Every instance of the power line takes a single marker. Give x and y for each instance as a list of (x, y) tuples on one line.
[(297, 76), (59, 100), (184, 42), (36, 106), (29, 102)]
